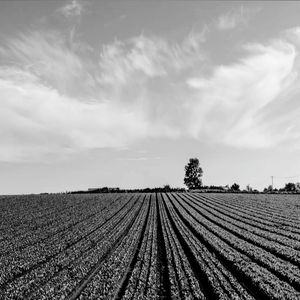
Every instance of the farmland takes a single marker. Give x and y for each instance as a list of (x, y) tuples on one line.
[(150, 246)]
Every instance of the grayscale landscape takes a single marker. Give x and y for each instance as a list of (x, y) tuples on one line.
[(149, 150)]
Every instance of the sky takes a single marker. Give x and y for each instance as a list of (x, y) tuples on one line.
[(123, 93)]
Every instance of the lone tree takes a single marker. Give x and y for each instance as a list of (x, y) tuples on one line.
[(235, 187), (193, 174)]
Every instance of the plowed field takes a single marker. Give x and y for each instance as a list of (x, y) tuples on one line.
[(150, 246)]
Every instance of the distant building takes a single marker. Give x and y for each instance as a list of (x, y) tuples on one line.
[(93, 189), (226, 187)]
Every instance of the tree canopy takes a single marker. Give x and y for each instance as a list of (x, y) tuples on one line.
[(290, 187), (235, 187), (193, 174)]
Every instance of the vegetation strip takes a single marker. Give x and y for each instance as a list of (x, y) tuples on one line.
[(261, 262), (122, 287), (162, 266), (24, 246), (254, 241), (252, 290), (202, 278), (48, 258), (234, 216), (151, 246), (91, 274)]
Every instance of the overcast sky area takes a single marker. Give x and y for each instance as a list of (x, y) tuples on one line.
[(117, 93)]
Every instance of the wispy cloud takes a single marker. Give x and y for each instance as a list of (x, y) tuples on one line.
[(234, 98), (37, 121), (142, 158), (56, 100), (151, 57), (73, 8), (235, 18), (45, 55)]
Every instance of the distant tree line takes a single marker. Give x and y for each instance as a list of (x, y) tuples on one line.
[(163, 189), (289, 187), (193, 182)]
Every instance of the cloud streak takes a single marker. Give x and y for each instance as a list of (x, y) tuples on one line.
[(237, 95), (56, 101), (235, 18), (72, 8)]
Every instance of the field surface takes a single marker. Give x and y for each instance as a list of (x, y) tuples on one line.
[(150, 246)]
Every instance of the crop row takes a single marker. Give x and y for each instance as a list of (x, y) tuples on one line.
[(38, 269), (263, 272), (252, 224), (277, 210), (109, 278), (149, 246), (71, 218), (243, 232), (29, 212)]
